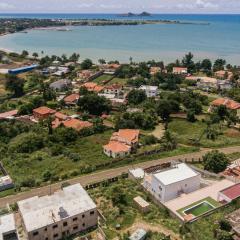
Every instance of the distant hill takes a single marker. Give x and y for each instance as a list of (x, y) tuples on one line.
[(130, 14)]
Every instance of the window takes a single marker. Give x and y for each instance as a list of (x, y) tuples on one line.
[(55, 235), (92, 212), (46, 238), (83, 216), (65, 224), (75, 228), (83, 224), (35, 233), (75, 219), (45, 229), (55, 226)]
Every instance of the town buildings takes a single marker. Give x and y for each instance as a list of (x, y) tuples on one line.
[(171, 183), (43, 112), (71, 99), (56, 216), (180, 70), (122, 143), (61, 85), (151, 91), (228, 103)]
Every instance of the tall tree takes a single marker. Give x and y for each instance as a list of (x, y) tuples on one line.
[(15, 85)]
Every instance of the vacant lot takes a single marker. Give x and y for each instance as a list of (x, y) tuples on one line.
[(186, 132), (102, 79), (115, 201)]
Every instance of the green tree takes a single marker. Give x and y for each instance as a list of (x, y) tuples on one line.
[(136, 96), (101, 61), (215, 161), (206, 65), (188, 62), (164, 110), (191, 115), (219, 65), (35, 55), (86, 64), (24, 53), (94, 104), (15, 85)]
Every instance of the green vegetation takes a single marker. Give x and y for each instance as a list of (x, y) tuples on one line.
[(215, 161), (102, 79), (115, 201), (206, 228), (187, 132)]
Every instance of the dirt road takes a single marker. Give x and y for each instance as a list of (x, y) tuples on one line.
[(106, 174)]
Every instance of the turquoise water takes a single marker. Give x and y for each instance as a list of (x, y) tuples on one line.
[(221, 38)]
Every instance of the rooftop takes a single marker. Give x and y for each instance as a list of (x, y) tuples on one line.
[(44, 110), (77, 124), (7, 224), (8, 114), (130, 135), (231, 104), (117, 147), (147, 87), (176, 174), (50, 209), (72, 98), (232, 192)]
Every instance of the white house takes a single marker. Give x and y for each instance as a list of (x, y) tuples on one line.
[(151, 91), (170, 184)]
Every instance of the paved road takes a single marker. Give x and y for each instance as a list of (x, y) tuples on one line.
[(106, 174)]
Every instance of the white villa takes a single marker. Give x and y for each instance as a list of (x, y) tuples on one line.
[(172, 183), (151, 91)]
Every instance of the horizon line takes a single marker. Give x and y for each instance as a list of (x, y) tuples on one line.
[(174, 13)]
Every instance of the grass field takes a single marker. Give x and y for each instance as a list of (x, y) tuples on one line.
[(186, 131), (100, 80), (116, 80)]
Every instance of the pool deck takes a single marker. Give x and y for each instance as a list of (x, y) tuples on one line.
[(188, 199)]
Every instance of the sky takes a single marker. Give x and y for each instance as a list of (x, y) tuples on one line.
[(119, 6)]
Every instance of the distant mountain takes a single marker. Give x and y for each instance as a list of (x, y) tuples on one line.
[(130, 14)]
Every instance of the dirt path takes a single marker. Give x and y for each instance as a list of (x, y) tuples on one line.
[(159, 131), (154, 228)]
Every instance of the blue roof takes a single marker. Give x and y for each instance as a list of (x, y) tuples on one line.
[(23, 69)]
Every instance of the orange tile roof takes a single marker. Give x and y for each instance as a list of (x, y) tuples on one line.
[(44, 110), (71, 98), (77, 124), (117, 147), (98, 89), (179, 68), (130, 135), (230, 104), (90, 85), (61, 116)]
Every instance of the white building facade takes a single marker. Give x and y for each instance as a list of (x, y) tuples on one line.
[(151, 91), (172, 183)]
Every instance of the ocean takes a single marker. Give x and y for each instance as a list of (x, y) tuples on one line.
[(168, 42)]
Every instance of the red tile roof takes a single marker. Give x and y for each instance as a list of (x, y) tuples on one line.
[(130, 135), (114, 86), (44, 110), (8, 114), (77, 124), (117, 147), (230, 104), (61, 116), (232, 192), (71, 98)]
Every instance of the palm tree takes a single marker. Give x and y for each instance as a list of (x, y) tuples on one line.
[(35, 55)]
